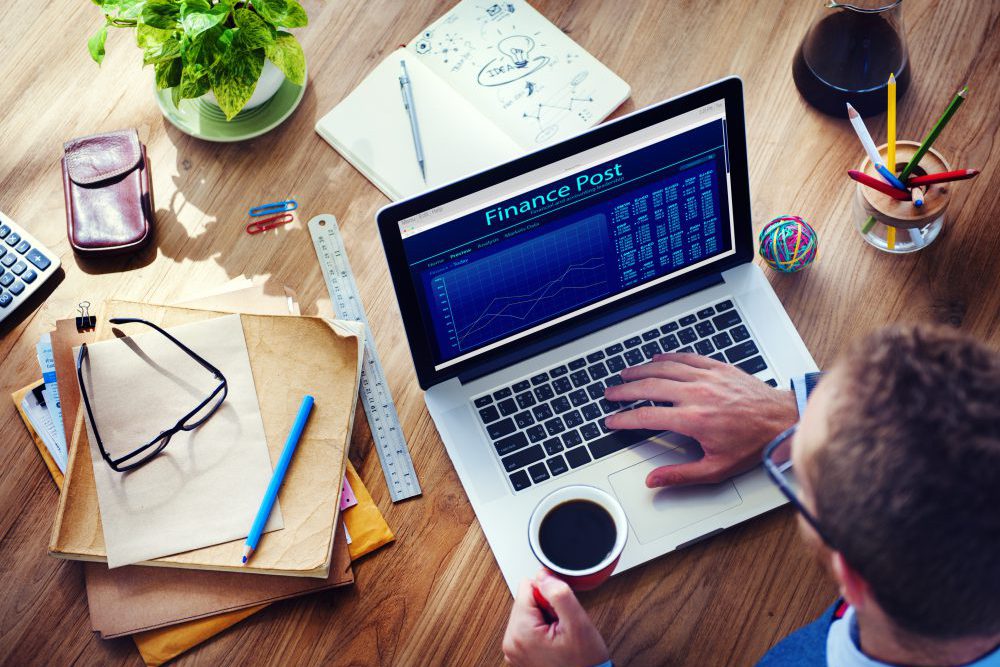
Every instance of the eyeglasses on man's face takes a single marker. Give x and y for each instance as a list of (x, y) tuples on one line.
[(777, 462), (190, 421)]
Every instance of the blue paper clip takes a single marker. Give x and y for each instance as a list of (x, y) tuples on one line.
[(274, 207), (258, 226)]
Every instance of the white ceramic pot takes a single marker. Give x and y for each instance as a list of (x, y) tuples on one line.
[(270, 80)]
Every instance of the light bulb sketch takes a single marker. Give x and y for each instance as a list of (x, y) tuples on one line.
[(517, 48)]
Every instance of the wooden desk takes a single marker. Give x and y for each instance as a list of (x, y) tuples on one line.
[(436, 596)]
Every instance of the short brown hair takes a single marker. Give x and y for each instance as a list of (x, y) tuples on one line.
[(908, 484)]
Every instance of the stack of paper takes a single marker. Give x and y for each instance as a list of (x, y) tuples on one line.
[(170, 609)]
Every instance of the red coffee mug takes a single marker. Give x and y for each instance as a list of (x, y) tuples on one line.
[(592, 577)]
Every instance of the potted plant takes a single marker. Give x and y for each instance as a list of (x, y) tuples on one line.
[(222, 47)]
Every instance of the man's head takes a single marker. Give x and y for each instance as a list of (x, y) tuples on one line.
[(898, 455)]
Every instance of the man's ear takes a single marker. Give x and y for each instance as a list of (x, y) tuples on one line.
[(853, 588)]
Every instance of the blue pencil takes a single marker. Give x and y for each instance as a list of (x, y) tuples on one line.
[(888, 176), (278, 477)]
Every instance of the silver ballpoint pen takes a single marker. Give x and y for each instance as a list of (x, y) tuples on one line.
[(407, 89)]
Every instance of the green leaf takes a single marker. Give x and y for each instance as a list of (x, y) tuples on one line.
[(295, 16), (251, 31), (235, 78), (96, 44), (194, 6), (175, 95), (286, 53), (271, 11), (157, 45), (124, 9), (197, 22), (282, 13), (195, 82), (204, 50), (168, 74), (163, 14)]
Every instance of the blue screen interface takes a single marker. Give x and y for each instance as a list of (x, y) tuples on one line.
[(573, 244)]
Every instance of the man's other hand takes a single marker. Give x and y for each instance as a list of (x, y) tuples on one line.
[(571, 641), (732, 415)]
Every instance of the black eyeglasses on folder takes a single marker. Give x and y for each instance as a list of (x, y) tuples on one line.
[(192, 420)]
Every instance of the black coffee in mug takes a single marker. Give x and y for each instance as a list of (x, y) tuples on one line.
[(577, 534)]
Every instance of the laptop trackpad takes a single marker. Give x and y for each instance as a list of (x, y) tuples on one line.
[(654, 513)]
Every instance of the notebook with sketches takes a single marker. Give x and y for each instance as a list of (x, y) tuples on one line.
[(491, 82), (325, 361)]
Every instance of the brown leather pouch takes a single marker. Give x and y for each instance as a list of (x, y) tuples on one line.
[(109, 201)]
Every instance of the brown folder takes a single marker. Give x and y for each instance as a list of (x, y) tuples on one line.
[(135, 598), (289, 356)]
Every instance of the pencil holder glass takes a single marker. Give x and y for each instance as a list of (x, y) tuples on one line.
[(896, 226)]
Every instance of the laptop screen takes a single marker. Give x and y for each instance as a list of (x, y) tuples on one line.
[(550, 245)]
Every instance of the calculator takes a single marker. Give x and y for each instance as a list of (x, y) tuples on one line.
[(24, 265)]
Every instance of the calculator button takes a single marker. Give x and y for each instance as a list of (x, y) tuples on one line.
[(5, 299), (18, 268), (3, 251), (6, 279), (40, 261), (4, 231), (16, 288), (9, 260), (12, 239), (23, 247)]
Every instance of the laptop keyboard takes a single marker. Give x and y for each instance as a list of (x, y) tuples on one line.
[(548, 423)]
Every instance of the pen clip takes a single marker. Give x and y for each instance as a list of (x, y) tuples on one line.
[(258, 226)]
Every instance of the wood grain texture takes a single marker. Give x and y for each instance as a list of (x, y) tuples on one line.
[(436, 595)]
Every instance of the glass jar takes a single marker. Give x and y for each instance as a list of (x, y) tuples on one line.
[(848, 54)]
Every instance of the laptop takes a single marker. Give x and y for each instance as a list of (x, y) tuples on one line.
[(527, 288)]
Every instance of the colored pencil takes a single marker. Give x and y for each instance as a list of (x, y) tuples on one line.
[(944, 177), (933, 134), (917, 194), (278, 477), (889, 177), (890, 131), (890, 237), (866, 139), (874, 183)]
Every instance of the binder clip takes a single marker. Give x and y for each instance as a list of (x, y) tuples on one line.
[(85, 321), (273, 208)]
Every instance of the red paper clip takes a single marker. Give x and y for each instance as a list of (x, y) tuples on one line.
[(258, 226)]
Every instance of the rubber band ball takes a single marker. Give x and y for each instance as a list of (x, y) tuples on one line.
[(788, 244)]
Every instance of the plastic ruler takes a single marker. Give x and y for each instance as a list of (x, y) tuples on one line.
[(390, 443)]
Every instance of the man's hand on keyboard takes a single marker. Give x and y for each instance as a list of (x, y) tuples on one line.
[(732, 415)]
